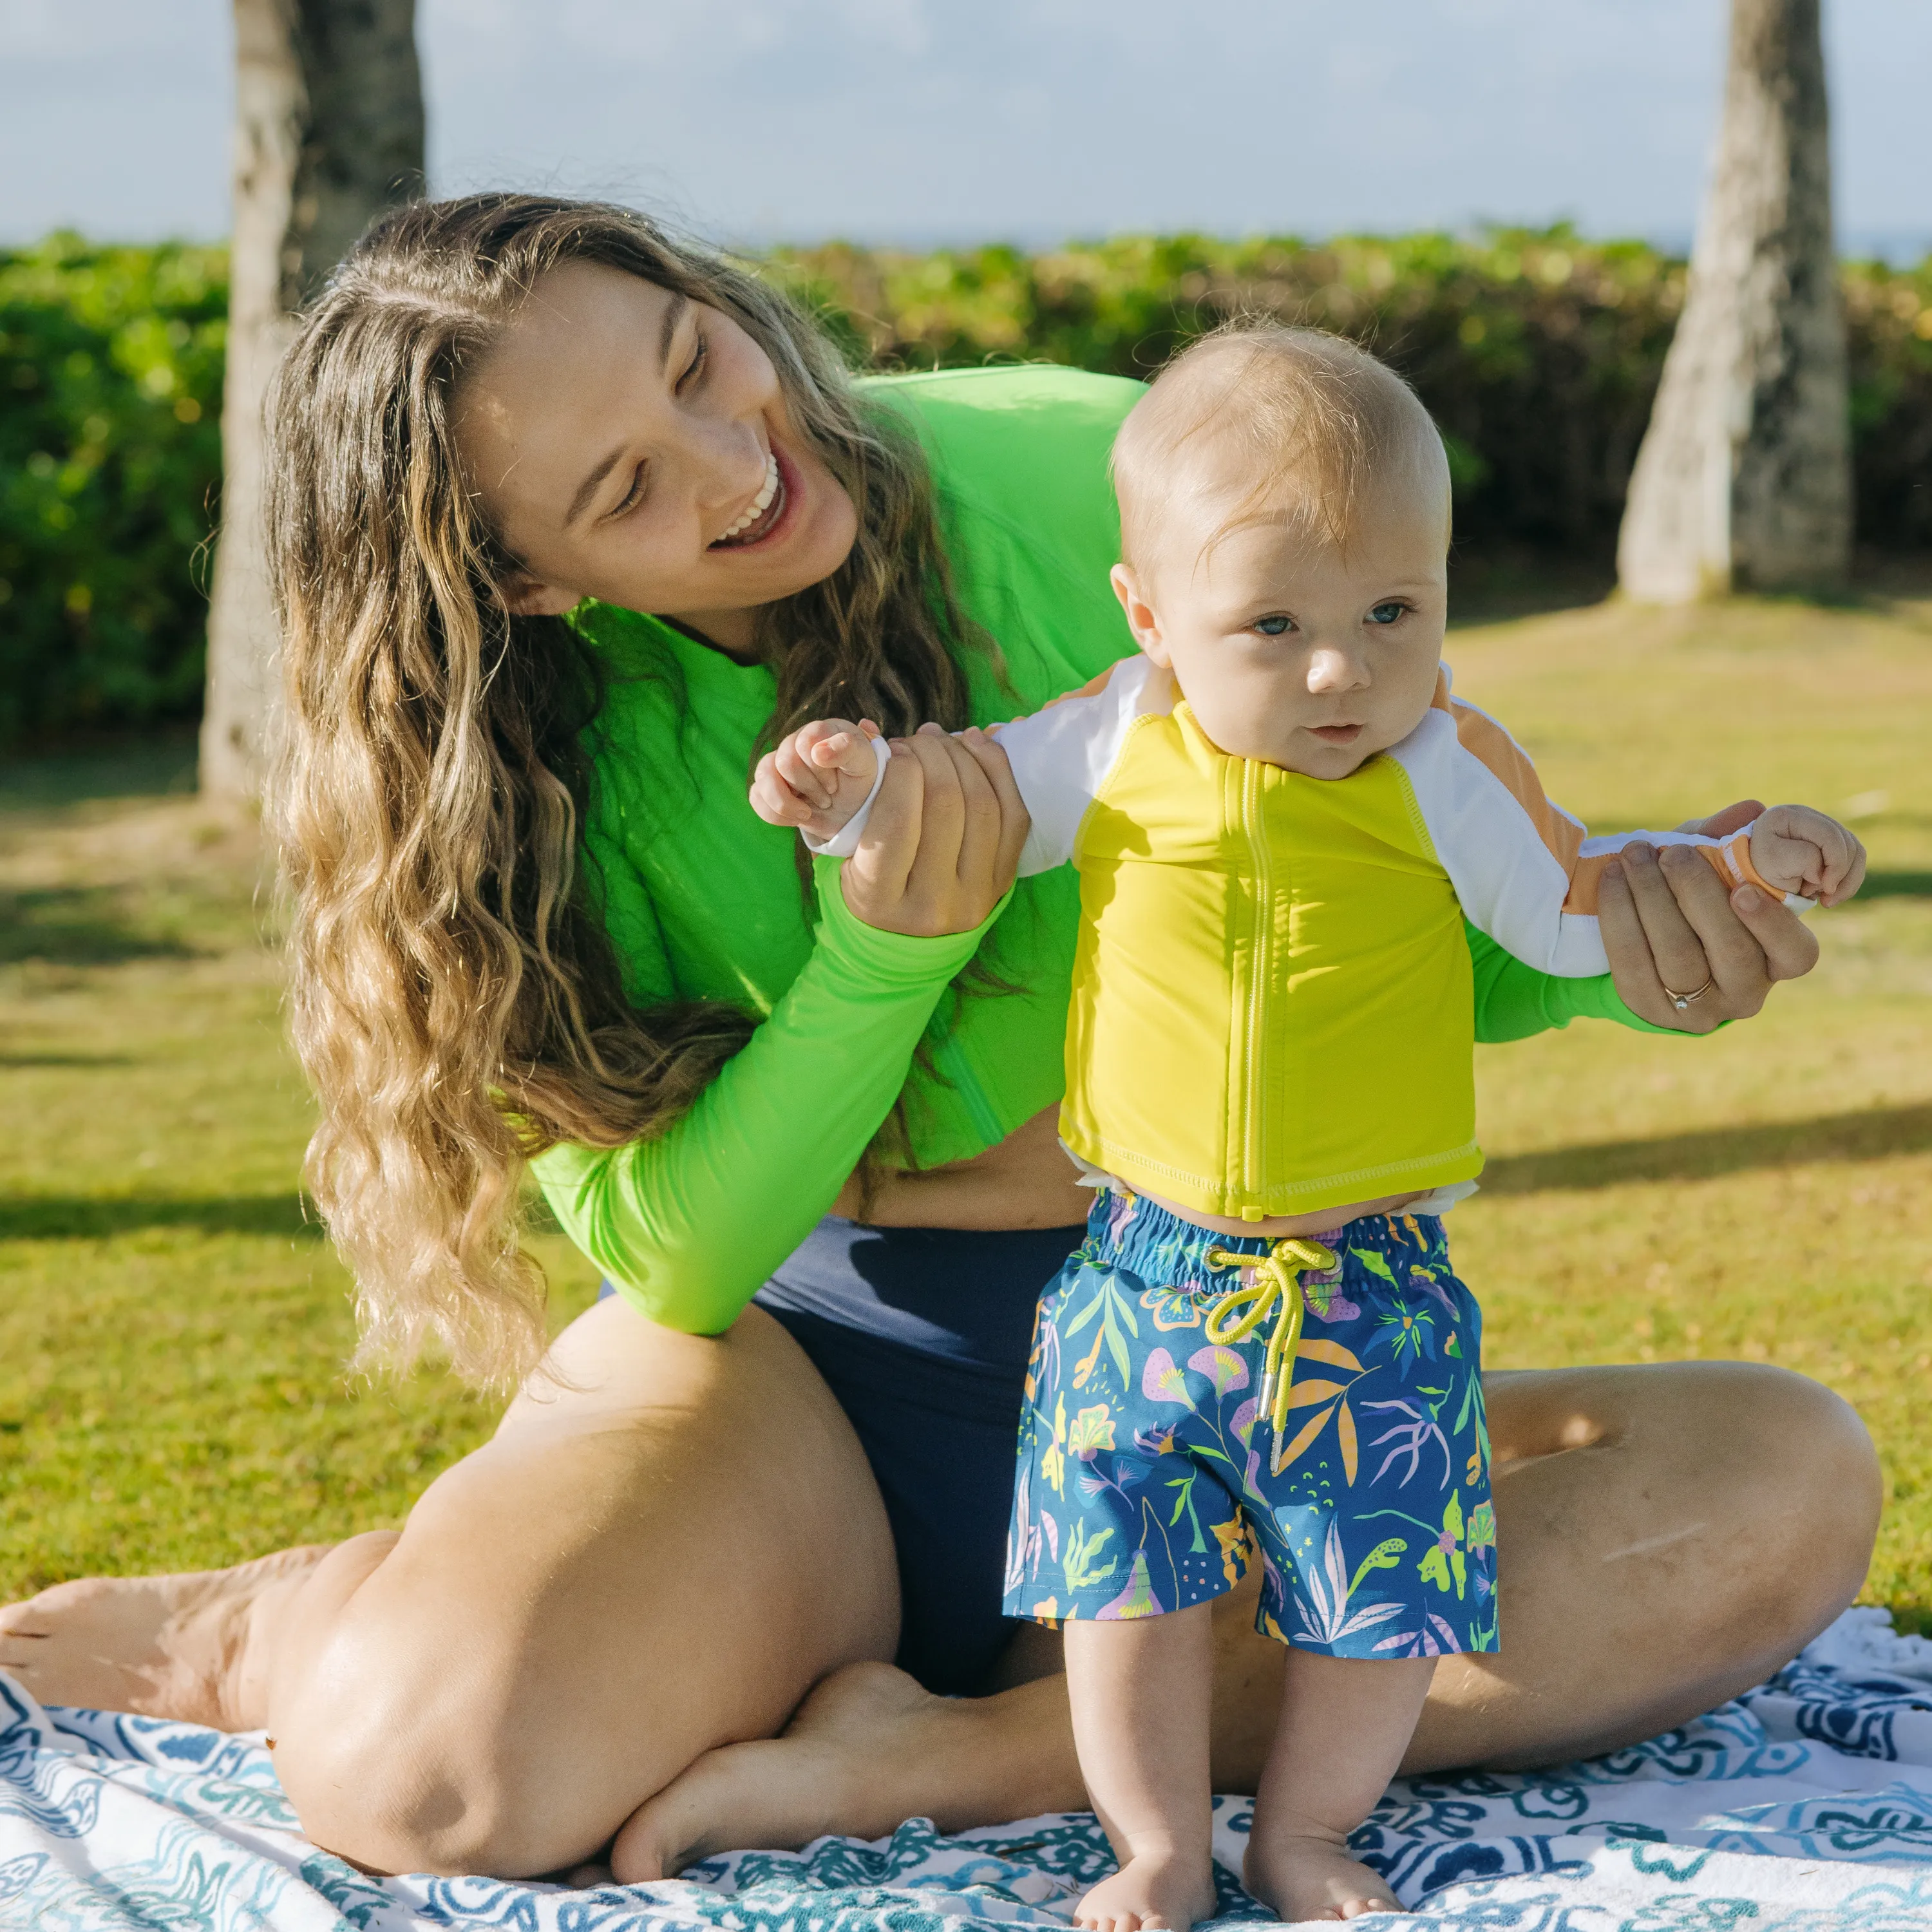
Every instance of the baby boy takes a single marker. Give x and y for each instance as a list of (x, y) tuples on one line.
[(1280, 818)]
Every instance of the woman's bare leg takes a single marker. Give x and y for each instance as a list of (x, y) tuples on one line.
[(662, 1558), (1667, 1536), (578, 1614)]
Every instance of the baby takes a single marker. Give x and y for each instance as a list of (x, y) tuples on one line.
[(1280, 818)]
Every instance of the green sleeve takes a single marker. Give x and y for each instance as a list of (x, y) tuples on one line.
[(1514, 1001), (687, 1225)]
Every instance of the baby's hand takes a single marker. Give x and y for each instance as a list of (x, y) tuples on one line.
[(818, 777), (1800, 851)]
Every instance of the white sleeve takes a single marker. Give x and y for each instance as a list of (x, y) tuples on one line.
[(1059, 755), (1522, 868), (1062, 752)]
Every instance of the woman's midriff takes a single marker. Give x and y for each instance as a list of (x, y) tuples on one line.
[(1027, 1181)]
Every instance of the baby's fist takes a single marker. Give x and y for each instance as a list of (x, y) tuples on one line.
[(818, 776), (1800, 851)]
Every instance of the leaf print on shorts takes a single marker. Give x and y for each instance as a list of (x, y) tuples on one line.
[(1445, 1554), (1052, 1461), (1079, 1567), (1117, 1323), (1324, 1591), (1410, 1438)]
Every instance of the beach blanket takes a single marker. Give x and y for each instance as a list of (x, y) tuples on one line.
[(1805, 1806)]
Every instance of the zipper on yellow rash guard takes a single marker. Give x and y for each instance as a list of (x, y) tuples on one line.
[(1251, 1019)]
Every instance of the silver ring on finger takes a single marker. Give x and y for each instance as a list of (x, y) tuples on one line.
[(1683, 1002)]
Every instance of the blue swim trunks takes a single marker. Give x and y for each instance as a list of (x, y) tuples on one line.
[(1149, 1477)]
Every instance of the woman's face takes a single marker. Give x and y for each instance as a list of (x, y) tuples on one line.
[(633, 446)]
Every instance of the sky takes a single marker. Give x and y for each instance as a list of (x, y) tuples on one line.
[(919, 121)]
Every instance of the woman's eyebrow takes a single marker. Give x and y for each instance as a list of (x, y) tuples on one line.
[(674, 313)]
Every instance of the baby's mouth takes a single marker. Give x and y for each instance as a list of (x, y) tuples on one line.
[(761, 514), (1335, 734)]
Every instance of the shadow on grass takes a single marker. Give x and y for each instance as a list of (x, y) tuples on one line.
[(75, 925), (1701, 1157), (149, 764), (1896, 886), (54, 1217)]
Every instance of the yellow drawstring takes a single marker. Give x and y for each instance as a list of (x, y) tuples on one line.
[(1277, 1278)]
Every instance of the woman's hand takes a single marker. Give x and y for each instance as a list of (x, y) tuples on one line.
[(1667, 922), (944, 841)]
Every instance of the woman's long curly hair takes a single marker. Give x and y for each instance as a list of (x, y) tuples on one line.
[(456, 1001)]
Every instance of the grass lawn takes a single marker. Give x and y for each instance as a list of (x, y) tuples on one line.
[(172, 1331)]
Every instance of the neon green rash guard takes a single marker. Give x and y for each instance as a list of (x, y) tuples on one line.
[(702, 899)]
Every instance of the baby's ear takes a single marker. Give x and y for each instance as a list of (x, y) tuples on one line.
[(1141, 618)]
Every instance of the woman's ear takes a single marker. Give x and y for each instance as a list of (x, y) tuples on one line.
[(528, 596), (1141, 618)]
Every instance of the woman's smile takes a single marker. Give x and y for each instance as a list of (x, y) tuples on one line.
[(753, 522)]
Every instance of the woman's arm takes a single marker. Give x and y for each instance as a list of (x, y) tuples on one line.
[(688, 1224)]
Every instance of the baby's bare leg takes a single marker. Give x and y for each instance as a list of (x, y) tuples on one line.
[(1345, 1724), (1141, 1693)]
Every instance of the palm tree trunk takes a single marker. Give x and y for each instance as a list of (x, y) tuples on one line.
[(1744, 479), (329, 131)]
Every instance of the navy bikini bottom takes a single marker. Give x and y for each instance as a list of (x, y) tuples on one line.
[(922, 1334)]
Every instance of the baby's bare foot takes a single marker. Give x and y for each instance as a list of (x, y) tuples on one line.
[(161, 1646), (1149, 1891), (1303, 1878)]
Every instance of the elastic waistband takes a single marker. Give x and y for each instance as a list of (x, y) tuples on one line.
[(1132, 1232)]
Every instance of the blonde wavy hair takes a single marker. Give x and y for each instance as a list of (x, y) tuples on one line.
[(455, 1001)]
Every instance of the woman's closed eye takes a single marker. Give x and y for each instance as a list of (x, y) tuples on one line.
[(689, 378), (693, 372), (633, 496)]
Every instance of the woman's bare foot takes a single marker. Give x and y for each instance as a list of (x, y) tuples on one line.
[(823, 1774), (1149, 1890), (1313, 1877), (182, 1646)]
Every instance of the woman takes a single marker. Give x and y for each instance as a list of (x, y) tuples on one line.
[(535, 918)]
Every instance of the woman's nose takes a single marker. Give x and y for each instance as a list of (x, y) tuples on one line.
[(729, 461)]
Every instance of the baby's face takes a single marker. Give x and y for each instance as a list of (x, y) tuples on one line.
[(1290, 650)]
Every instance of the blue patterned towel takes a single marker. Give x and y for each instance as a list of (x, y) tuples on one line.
[(1805, 1807)]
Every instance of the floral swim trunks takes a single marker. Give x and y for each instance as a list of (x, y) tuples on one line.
[(1149, 1476)]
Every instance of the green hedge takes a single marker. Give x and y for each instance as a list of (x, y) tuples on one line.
[(1538, 352), (110, 457)]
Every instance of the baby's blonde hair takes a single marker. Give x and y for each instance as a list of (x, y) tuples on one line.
[(1307, 424)]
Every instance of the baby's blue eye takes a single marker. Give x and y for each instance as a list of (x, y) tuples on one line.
[(1274, 627), (1387, 614)]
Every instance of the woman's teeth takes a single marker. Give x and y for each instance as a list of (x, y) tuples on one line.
[(759, 504)]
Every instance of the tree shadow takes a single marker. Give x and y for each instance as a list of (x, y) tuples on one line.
[(1716, 1151), (149, 764), (54, 1217), (1896, 886), (1490, 587), (77, 926)]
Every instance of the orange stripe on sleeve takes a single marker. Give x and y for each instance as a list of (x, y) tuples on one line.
[(1731, 861), (1486, 741)]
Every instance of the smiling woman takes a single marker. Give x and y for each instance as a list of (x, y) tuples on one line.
[(570, 520), (708, 477)]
